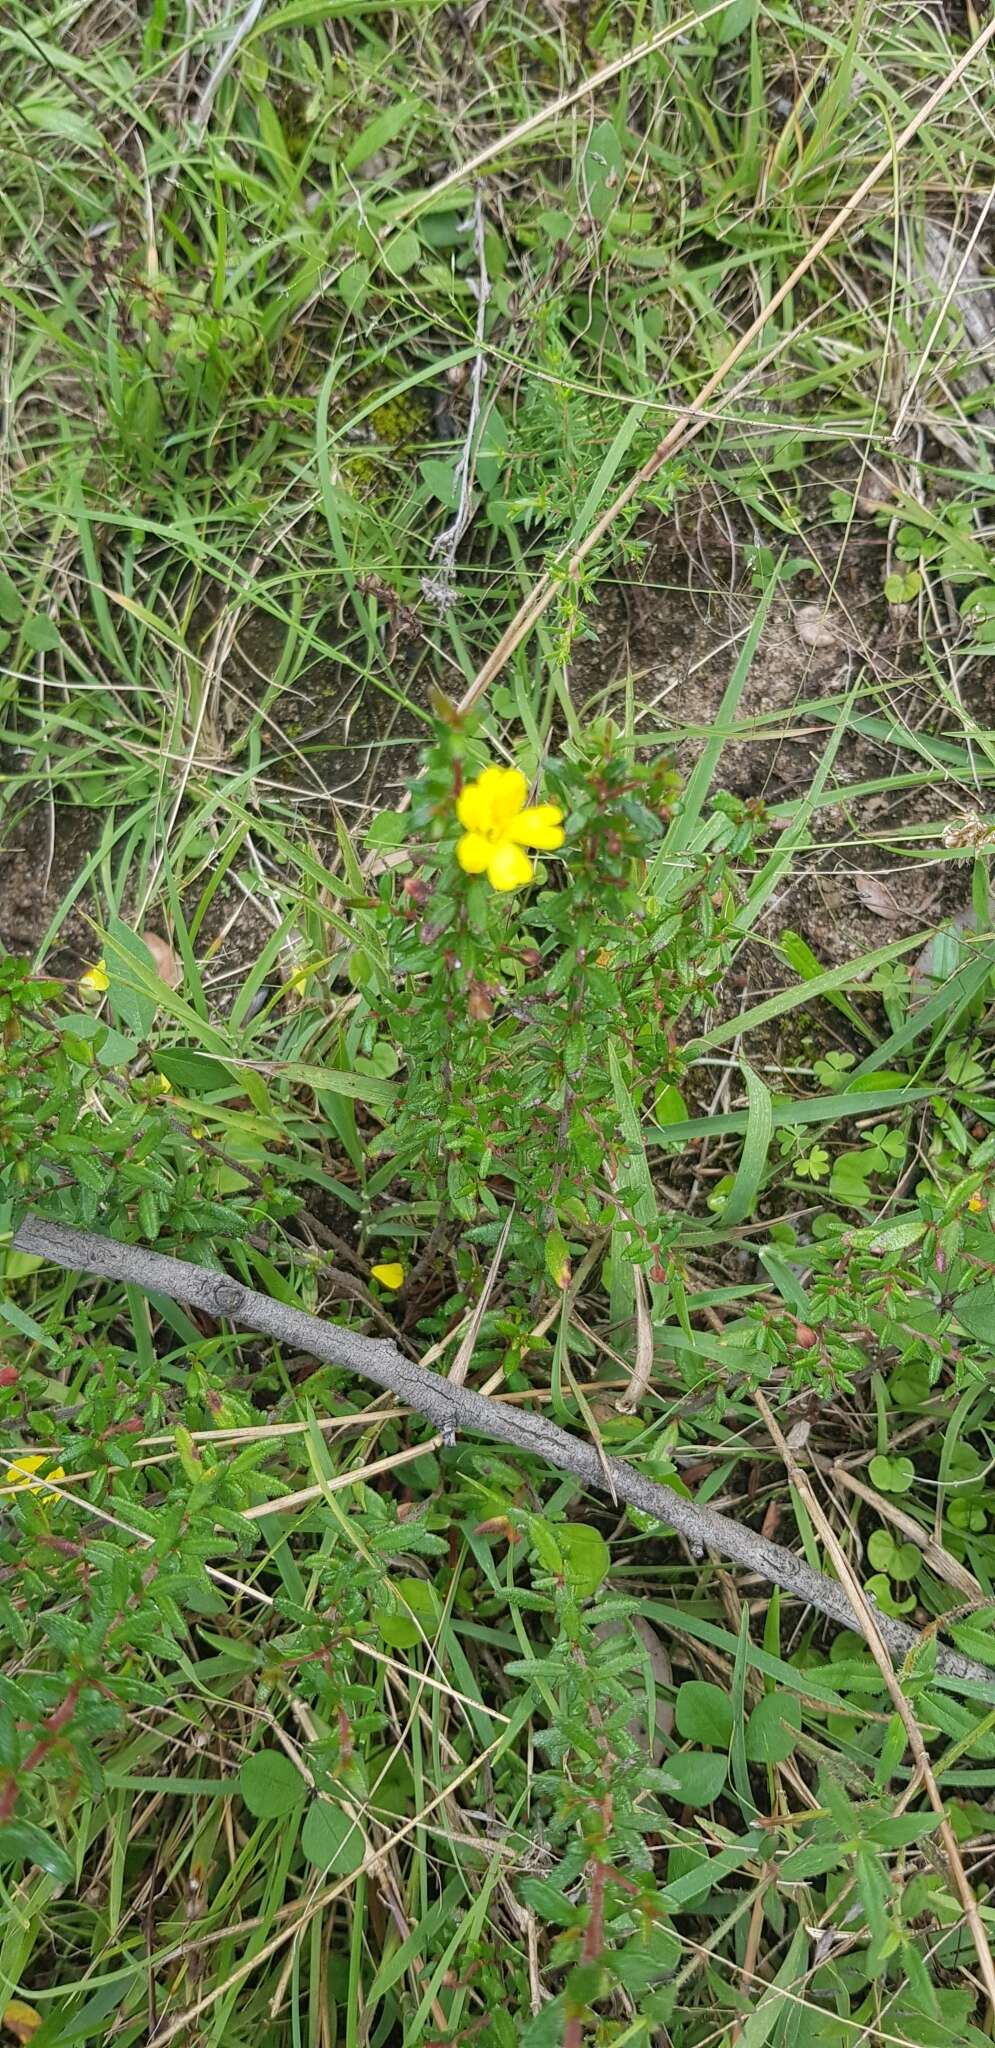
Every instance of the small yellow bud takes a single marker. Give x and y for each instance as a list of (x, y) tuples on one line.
[(391, 1275)]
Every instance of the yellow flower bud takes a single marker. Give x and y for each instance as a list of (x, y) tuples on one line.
[(390, 1275)]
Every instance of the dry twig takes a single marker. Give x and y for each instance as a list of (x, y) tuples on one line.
[(451, 1408)]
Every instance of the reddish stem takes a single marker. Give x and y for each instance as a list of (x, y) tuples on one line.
[(594, 1941), (53, 1727)]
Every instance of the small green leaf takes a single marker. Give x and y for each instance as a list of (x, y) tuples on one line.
[(11, 606), (602, 171), (670, 1106), (773, 1728), (891, 1475), (545, 1544), (880, 1549), (415, 1617), (905, 1562), (879, 1588), (129, 966), (558, 1258), (902, 589), (704, 1713), (586, 1557), (402, 252), (389, 828), (733, 22), (551, 1904), (271, 1785), (331, 1840), (545, 2030), (194, 1073), (440, 479), (645, 1959), (698, 1774), (41, 634), (975, 1313), (353, 283)]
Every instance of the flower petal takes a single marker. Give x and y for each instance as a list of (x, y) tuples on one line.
[(473, 852), (471, 808), (508, 867), (487, 804), (390, 1275), (95, 978), (508, 794), (541, 826), (21, 1474)]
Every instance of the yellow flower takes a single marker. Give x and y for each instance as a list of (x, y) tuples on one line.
[(96, 980), (20, 1475), (976, 1203), (391, 1275), (497, 826)]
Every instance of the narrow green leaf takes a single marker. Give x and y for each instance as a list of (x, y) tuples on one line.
[(667, 870), (759, 1130), (22, 1842), (791, 998)]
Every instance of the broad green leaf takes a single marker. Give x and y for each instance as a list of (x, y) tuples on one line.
[(891, 1475), (586, 1557), (703, 1713), (195, 1073), (646, 1959), (699, 1775), (975, 1312), (332, 1840), (558, 1258), (382, 130), (271, 1785), (389, 829), (135, 1006), (402, 252), (602, 173), (735, 20), (773, 1728), (546, 2028), (416, 1617), (353, 283), (880, 1549)]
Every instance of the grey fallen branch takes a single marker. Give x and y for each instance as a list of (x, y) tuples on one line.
[(456, 1409)]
